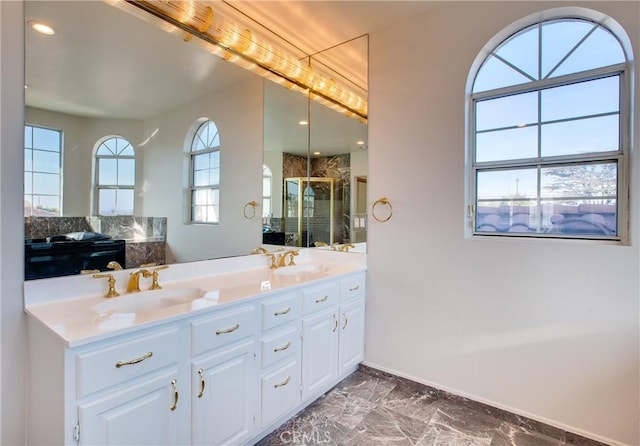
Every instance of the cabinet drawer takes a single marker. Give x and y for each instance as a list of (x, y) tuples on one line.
[(352, 286), (118, 363), (318, 298), (221, 329), (280, 310), (280, 392), (283, 344)]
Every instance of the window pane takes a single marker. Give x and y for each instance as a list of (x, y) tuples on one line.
[(47, 203), (124, 148), (107, 201), (214, 159), (45, 139), (558, 38), (28, 163), (509, 184), (201, 162), (582, 99), (507, 144), (214, 177), (517, 216), (205, 206), (28, 136), (124, 201), (580, 217), (266, 187), (201, 178), (581, 136), (495, 74), (46, 161), (509, 111), (108, 148), (28, 182), (599, 50), (577, 181), (521, 51), (46, 183), (126, 172), (107, 171), (266, 207)]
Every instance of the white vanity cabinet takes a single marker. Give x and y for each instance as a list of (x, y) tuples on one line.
[(225, 375), (222, 370)]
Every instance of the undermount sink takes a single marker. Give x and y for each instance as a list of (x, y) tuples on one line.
[(298, 269), (149, 300)]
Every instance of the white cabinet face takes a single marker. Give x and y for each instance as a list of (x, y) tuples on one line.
[(223, 395), (140, 415), (319, 351), (280, 391), (351, 335)]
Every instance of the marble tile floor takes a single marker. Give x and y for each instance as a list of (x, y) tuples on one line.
[(373, 408)]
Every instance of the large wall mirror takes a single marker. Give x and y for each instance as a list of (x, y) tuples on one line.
[(115, 104)]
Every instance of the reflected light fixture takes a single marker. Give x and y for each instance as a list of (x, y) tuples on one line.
[(41, 27), (303, 122), (251, 50)]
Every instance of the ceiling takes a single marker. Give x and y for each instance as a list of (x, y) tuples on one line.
[(100, 58)]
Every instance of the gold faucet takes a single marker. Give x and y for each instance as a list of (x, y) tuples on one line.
[(114, 266), (282, 261), (260, 250), (346, 246), (154, 284), (134, 280), (112, 284), (273, 260), (319, 244)]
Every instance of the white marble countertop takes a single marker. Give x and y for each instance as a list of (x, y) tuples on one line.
[(72, 307)]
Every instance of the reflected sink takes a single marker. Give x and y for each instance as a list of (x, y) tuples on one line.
[(149, 300), (299, 269)]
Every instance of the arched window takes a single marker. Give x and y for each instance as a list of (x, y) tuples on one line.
[(205, 174), (115, 177), (267, 177), (549, 113)]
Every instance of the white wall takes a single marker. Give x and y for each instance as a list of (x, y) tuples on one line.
[(237, 112), (547, 329), (80, 137), (12, 318)]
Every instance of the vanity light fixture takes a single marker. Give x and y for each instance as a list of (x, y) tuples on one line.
[(303, 122), (251, 50), (316, 153), (41, 27)]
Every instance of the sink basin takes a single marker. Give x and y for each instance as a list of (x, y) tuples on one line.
[(149, 300), (295, 270)]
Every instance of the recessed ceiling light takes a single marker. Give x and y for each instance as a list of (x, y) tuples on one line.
[(360, 143), (303, 122), (40, 27)]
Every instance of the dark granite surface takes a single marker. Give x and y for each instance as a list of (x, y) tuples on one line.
[(372, 408)]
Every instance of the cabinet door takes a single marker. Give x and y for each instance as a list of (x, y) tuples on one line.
[(143, 414), (223, 395), (351, 335), (319, 352)]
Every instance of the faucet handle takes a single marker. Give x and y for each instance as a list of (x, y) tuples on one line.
[(112, 284), (292, 255), (114, 265), (273, 260), (154, 274)]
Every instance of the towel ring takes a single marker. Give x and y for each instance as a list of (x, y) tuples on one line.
[(382, 201), (250, 205)]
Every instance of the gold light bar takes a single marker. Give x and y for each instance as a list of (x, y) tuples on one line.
[(244, 47)]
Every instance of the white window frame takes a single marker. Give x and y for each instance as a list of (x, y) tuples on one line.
[(620, 157), (98, 187), (212, 187), (34, 150)]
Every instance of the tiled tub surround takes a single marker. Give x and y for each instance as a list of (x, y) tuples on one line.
[(371, 408), (145, 236)]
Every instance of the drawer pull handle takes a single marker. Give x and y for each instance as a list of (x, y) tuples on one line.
[(279, 313), (202, 383), (355, 288), (284, 347), (346, 320), (134, 361), (335, 320), (174, 384), (283, 383), (228, 330), (322, 299)]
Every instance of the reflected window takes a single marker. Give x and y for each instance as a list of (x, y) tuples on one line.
[(42, 172), (115, 177), (205, 174), (267, 177), (548, 114)]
